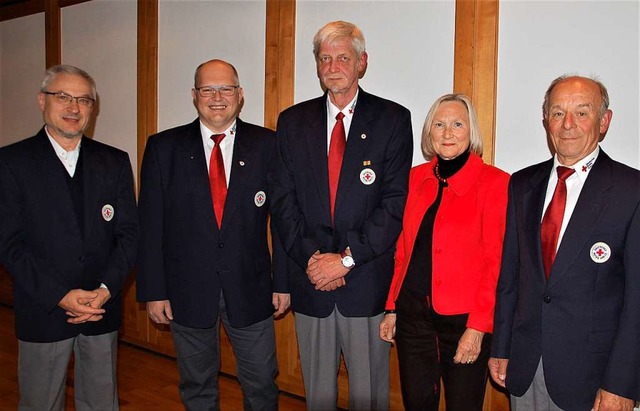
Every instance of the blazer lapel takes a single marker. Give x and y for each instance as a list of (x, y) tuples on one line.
[(94, 172), (360, 134), (195, 165), (241, 163), (315, 137), (53, 182), (533, 203), (588, 211)]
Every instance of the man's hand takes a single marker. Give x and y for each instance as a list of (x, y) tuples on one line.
[(333, 285), (77, 305), (498, 370), (606, 401), (280, 302), (325, 268), (160, 311), (469, 346), (388, 328)]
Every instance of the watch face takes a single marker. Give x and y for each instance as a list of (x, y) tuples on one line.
[(347, 261)]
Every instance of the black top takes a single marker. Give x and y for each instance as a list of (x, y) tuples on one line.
[(419, 272)]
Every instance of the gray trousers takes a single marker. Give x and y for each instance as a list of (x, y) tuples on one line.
[(198, 355), (536, 398), (42, 373), (320, 341)]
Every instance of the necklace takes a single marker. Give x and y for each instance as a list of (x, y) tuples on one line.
[(436, 171)]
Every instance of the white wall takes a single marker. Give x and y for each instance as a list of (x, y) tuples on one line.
[(540, 40), (100, 37), (22, 58), (410, 46), (191, 32)]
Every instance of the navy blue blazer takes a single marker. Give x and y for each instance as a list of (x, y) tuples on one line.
[(585, 321), (41, 242), (368, 216), (184, 257)]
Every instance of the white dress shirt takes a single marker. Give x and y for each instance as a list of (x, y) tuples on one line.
[(575, 182), (226, 146), (69, 159), (332, 112)]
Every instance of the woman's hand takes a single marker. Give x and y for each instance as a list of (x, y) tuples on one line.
[(388, 327), (468, 346)]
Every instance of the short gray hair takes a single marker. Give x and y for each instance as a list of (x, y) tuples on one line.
[(336, 30), (604, 94), (53, 72), (475, 136)]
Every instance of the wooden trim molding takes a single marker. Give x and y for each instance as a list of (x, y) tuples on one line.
[(476, 63), (53, 33), (147, 73), (279, 59)]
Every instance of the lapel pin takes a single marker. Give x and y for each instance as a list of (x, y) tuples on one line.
[(241, 163), (367, 176), (260, 198), (366, 163), (107, 212), (363, 136), (600, 252)]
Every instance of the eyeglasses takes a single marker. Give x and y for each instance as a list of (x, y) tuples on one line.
[(66, 99), (209, 91)]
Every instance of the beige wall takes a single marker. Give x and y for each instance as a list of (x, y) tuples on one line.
[(21, 71)]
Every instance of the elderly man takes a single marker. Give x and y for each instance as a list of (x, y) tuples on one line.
[(567, 319), (68, 233), (338, 190), (204, 253)]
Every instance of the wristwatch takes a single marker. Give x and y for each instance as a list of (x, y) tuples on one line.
[(347, 260)]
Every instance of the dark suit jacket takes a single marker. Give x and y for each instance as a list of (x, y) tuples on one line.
[(368, 218), (585, 321), (41, 243), (183, 256)]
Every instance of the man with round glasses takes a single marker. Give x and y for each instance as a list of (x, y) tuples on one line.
[(68, 236), (204, 256)]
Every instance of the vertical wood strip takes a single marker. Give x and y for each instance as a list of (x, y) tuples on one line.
[(147, 73), (279, 59), (53, 33), (476, 63)]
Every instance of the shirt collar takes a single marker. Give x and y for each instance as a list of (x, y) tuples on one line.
[(348, 111), (58, 148), (582, 167), (206, 134)]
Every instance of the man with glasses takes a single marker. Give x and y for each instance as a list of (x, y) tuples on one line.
[(68, 235), (204, 256)]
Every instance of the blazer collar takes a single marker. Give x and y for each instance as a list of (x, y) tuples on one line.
[(462, 181), (589, 210)]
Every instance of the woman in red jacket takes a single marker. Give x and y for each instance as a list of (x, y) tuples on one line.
[(442, 296)]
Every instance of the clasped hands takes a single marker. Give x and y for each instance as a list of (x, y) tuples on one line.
[(326, 271), (82, 306)]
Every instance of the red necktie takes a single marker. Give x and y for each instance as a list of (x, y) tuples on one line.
[(217, 179), (336, 151), (552, 220)]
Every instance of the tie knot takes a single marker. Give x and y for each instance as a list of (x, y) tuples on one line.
[(217, 138), (564, 172), (339, 116)]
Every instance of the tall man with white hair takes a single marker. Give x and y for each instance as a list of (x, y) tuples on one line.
[(338, 190)]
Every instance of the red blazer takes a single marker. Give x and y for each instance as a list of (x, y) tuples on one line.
[(467, 239)]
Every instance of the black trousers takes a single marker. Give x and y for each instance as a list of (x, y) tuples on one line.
[(426, 343)]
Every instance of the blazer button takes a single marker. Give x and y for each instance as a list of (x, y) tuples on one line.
[(220, 245), (81, 259), (547, 299)]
